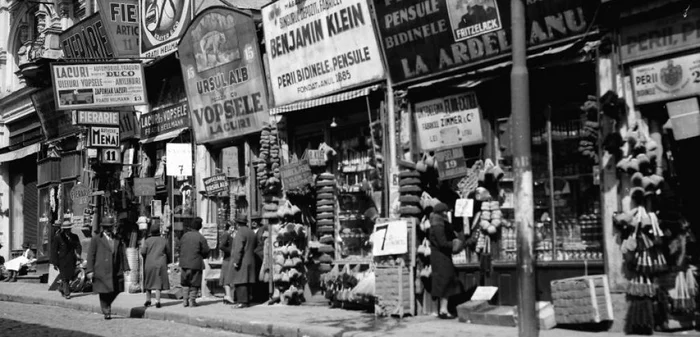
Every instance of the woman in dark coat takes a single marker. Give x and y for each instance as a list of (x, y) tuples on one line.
[(225, 244), (65, 252), (242, 262), (443, 278), (106, 266), (156, 255)]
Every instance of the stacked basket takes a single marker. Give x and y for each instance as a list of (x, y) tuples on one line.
[(268, 163), (410, 194), (325, 219)]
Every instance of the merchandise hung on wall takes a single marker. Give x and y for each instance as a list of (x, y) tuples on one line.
[(224, 80)]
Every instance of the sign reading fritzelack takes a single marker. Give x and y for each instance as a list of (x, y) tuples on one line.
[(666, 80), (98, 85), (162, 24), (315, 48), (223, 73)]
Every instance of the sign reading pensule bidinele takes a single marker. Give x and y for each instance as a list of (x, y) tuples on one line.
[(318, 47), (98, 85)]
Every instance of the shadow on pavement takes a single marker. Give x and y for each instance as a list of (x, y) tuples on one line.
[(12, 328)]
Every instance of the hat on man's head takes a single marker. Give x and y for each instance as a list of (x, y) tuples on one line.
[(107, 221), (440, 207), (66, 225), (241, 219), (57, 223)]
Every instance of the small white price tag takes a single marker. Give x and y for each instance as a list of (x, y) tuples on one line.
[(464, 208)]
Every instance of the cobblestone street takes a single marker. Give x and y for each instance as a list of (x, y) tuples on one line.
[(17, 319)]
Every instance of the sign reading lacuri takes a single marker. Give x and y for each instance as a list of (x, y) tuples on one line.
[(667, 80), (224, 79), (168, 118), (318, 47), (92, 85)]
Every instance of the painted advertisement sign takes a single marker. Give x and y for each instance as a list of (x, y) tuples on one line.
[(224, 79), (667, 80), (104, 136), (54, 123), (121, 21), (660, 37), (423, 38), (86, 39), (98, 85), (449, 122), (84, 117), (128, 126), (318, 47), (165, 119), (162, 24)]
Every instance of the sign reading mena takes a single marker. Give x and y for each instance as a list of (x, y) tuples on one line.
[(97, 117), (104, 137)]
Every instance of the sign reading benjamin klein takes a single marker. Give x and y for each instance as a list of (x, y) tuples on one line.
[(165, 119), (224, 80), (121, 20), (98, 85), (87, 39), (162, 24), (318, 47), (423, 38)]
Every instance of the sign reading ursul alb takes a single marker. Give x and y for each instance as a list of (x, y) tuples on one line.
[(318, 47), (224, 80)]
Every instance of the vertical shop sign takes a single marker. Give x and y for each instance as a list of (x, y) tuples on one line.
[(449, 122), (660, 37), (178, 159), (128, 127), (121, 22), (162, 24), (80, 194), (87, 39), (315, 48), (224, 79), (666, 80), (424, 38)]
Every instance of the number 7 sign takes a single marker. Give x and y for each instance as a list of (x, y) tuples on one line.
[(178, 159)]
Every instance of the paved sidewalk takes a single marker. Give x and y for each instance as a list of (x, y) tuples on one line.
[(271, 320)]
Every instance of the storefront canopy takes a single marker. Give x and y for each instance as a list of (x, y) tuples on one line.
[(164, 136), (20, 153), (341, 97)]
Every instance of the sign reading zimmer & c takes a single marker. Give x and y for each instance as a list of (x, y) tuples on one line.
[(224, 80), (315, 48), (423, 38)]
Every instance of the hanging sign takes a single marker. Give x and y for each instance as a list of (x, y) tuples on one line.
[(425, 38), (317, 48), (296, 175), (144, 187), (390, 238), (178, 160), (111, 156), (165, 119), (86, 39), (80, 194), (216, 184), (660, 37), (128, 127), (451, 163), (666, 80), (55, 124), (162, 25), (98, 85), (316, 157), (449, 122), (121, 22), (156, 208), (104, 137), (224, 79), (83, 117), (210, 233), (229, 161)]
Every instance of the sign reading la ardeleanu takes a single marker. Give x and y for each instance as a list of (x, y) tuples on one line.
[(423, 38), (317, 47), (224, 80)]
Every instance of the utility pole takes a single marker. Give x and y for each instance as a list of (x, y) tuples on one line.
[(524, 206)]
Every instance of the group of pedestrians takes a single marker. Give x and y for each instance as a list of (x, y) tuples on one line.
[(107, 263)]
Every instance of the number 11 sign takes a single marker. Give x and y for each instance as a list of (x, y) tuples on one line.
[(178, 160)]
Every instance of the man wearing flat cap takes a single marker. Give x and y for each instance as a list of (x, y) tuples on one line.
[(106, 265), (193, 250), (65, 253)]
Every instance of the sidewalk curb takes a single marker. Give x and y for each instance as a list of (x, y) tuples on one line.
[(278, 329)]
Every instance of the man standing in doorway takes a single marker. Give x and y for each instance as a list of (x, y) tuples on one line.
[(243, 261), (193, 250)]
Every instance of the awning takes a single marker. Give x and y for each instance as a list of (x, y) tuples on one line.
[(474, 82), (341, 97), (20, 153), (164, 136)]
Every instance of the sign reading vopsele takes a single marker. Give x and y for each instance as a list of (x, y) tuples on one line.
[(424, 38), (98, 85), (223, 73), (319, 47), (104, 137), (121, 21), (162, 24), (168, 118), (449, 122), (666, 80)]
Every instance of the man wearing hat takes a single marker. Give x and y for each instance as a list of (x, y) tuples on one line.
[(242, 262), (65, 252), (106, 265), (193, 250)]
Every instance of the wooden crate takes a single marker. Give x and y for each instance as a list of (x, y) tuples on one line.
[(584, 299), (394, 290)]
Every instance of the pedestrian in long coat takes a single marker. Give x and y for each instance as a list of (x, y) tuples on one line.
[(225, 244), (193, 250), (106, 265), (65, 253), (243, 261), (444, 280), (156, 253)]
